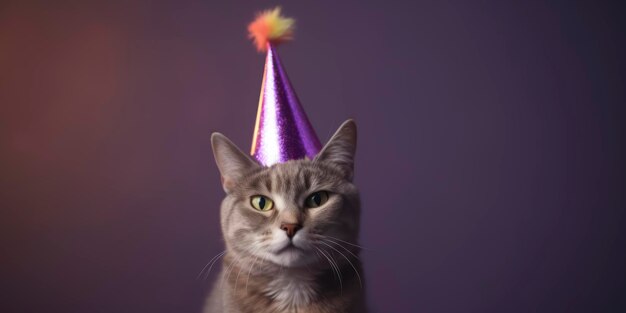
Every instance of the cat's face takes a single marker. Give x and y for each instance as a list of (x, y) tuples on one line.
[(291, 213)]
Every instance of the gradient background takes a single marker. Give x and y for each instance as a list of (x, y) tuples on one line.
[(490, 157)]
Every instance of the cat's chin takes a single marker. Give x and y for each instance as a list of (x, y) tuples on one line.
[(291, 256)]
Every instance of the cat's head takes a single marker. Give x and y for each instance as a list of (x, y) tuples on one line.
[(290, 213)]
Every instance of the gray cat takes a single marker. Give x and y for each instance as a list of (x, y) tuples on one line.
[(290, 232)]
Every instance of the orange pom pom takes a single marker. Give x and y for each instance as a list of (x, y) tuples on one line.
[(270, 26)]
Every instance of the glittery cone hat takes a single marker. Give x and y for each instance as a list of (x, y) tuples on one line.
[(282, 131)]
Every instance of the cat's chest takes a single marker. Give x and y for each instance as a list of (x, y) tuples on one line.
[(291, 289)]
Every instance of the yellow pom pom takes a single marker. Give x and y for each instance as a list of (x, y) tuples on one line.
[(270, 26)]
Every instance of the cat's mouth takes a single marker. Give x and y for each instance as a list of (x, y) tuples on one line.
[(290, 255), (290, 247)]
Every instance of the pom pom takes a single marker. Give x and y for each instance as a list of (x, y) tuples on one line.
[(270, 26)]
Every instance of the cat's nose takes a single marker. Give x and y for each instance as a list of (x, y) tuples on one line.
[(290, 228)]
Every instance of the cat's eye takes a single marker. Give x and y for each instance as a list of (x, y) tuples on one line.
[(262, 203), (316, 199)]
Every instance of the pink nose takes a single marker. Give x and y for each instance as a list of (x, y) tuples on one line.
[(290, 228)]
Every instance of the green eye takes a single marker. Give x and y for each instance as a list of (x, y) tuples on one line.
[(261, 203), (316, 199)]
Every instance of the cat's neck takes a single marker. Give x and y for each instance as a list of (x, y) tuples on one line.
[(285, 288)]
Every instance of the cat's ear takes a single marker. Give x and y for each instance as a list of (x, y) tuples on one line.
[(231, 162), (340, 149)]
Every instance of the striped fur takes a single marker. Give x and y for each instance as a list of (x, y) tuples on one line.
[(259, 274)]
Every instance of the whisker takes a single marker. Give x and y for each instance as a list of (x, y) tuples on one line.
[(228, 269), (231, 266), (344, 256), (250, 271), (213, 264), (343, 247), (334, 266), (263, 259), (348, 243), (210, 265), (239, 273), (330, 255), (250, 251)]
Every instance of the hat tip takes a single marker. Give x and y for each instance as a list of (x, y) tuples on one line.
[(270, 27)]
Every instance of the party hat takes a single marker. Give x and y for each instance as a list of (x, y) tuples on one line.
[(282, 131)]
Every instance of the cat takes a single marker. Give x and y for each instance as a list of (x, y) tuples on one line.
[(290, 232)]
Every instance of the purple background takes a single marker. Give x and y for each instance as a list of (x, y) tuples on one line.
[(490, 157)]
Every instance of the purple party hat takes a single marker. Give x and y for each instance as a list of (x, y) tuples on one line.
[(282, 131)]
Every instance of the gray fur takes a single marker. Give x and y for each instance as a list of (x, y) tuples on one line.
[(258, 274)]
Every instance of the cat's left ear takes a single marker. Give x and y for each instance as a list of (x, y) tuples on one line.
[(232, 162), (341, 148)]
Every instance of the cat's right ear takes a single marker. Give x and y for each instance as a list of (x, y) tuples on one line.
[(231, 162), (341, 148)]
